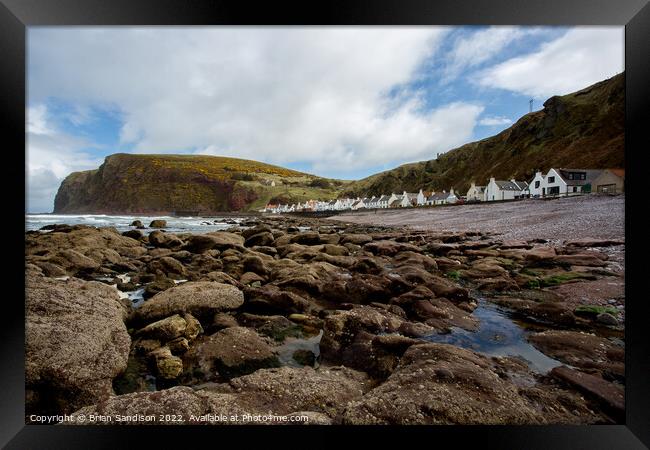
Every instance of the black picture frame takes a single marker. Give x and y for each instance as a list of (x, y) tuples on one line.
[(16, 15)]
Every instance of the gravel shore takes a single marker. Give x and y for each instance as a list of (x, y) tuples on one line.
[(591, 216)]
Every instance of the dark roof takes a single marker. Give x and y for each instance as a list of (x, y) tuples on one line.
[(510, 186), (590, 175), (384, 198), (439, 196)]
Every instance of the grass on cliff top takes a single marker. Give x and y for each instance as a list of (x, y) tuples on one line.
[(294, 194)]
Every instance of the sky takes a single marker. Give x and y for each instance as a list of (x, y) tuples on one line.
[(339, 102)]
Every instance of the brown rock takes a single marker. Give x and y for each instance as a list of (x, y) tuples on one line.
[(201, 298), (442, 384), (158, 223), (389, 248), (235, 351), (609, 394), (356, 239), (75, 341)]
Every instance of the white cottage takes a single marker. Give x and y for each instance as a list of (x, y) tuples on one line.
[(569, 181), (383, 201), (475, 193), (504, 190), (409, 199), (451, 197), (537, 184), (422, 199)]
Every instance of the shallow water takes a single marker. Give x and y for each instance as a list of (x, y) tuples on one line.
[(291, 344), (497, 335), (122, 223)]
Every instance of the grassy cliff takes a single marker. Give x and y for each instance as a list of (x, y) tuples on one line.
[(584, 129), (130, 183)]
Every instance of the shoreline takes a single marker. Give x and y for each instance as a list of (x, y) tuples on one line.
[(366, 312)]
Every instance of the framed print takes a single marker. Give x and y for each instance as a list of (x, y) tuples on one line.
[(397, 219)]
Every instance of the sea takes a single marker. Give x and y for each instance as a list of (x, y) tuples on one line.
[(122, 223)]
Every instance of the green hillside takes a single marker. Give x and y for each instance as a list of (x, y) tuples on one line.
[(130, 183), (584, 129)]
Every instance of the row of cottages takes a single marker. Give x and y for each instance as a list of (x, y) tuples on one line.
[(577, 181), (555, 182), (404, 200)]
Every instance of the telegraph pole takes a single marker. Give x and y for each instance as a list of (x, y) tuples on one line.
[(531, 105)]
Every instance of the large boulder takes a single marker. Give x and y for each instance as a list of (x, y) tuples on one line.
[(158, 238), (158, 223), (611, 396), (284, 390), (220, 240), (357, 239), (272, 299), (235, 351), (583, 350), (75, 343), (200, 298), (172, 327), (321, 395), (445, 384), (167, 266), (263, 238), (389, 248), (82, 248), (179, 402)]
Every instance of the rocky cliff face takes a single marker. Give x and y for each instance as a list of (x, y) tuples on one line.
[(584, 129), (162, 184)]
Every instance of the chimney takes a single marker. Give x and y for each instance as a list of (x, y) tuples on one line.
[(451, 191), (491, 179), (512, 180), (473, 185)]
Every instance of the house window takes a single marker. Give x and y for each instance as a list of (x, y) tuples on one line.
[(570, 176), (551, 179), (536, 184), (583, 176)]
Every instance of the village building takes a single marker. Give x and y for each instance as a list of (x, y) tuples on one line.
[(569, 181), (397, 201), (475, 193), (409, 199), (437, 198), (357, 204), (383, 201), (504, 190), (422, 198), (537, 184), (610, 181), (451, 197)]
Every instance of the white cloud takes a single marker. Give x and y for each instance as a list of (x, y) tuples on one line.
[(317, 95), (491, 121), (51, 156), (36, 120), (579, 58), (481, 46)]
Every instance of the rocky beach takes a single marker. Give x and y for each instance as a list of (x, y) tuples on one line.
[(325, 321)]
